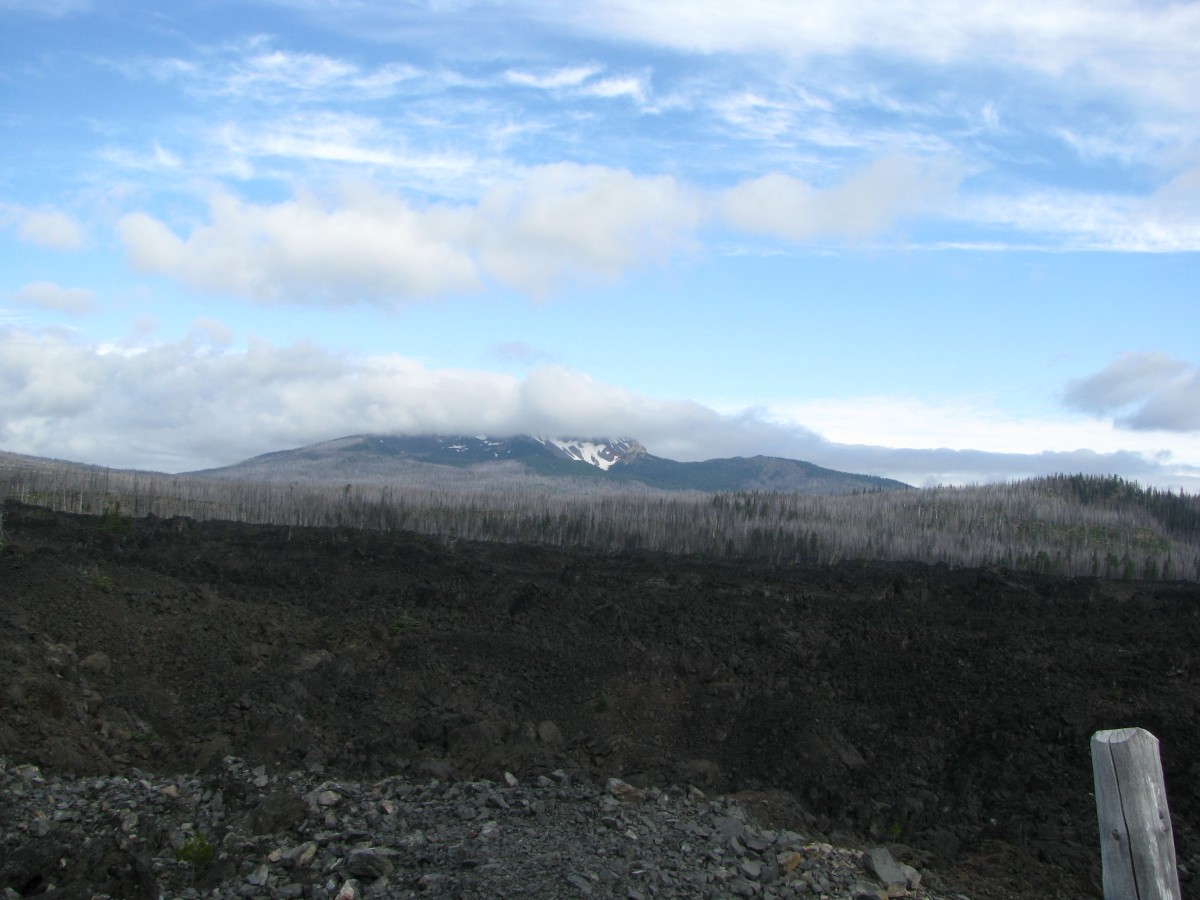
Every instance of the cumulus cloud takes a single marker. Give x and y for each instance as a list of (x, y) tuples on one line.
[(567, 222), (370, 247), (198, 402), (49, 228), (211, 333), (51, 296), (1143, 392), (179, 405), (189, 404), (560, 225), (866, 203)]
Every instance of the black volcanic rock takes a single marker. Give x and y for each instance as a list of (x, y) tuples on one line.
[(947, 710)]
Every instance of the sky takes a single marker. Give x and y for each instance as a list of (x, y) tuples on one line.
[(943, 242)]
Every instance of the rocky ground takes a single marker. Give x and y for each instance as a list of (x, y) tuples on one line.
[(247, 833), (336, 713)]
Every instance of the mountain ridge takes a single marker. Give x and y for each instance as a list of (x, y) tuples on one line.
[(375, 458)]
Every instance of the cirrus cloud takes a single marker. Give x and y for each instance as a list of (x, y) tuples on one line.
[(1147, 50)]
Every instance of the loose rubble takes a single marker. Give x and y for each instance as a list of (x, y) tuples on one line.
[(247, 832)]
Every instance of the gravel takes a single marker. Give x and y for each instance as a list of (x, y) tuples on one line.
[(247, 832)]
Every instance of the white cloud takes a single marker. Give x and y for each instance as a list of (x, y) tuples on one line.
[(44, 378), (866, 203), (51, 296), (372, 247), (156, 158), (180, 406), (198, 402), (255, 70), (857, 80), (962, 423), (566, 77), (629, 86), (757, 116), (49, 228), (581, 81), (559, 225), (290, 71), (210, 333), (1167, 221), (934, 441), (338, 137), (990, 115), (1142, 392), (567, 223), (1145, 49), (325, 146), (273, 75)]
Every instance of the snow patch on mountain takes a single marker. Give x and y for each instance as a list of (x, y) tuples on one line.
[(603, 454)]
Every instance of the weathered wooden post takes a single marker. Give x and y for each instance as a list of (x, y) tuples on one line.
[(1137, 846)]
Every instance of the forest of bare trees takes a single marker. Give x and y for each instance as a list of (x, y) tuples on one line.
[(1069, 525)]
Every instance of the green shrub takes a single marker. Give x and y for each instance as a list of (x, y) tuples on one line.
[(112, 522), (404, 624), (195, 849)]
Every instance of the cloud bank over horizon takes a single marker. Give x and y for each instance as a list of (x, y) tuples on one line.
[(220, 405)]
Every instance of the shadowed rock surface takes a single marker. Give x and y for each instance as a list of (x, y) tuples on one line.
[(945, 713)]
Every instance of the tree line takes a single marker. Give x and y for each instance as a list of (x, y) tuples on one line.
[(1066, 525)]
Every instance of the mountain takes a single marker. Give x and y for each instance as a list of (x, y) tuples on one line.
[(503, 461)]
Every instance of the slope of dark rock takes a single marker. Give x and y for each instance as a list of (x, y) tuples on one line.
[(946, 711)]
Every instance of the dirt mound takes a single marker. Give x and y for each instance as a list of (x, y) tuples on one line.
[(949, 711)]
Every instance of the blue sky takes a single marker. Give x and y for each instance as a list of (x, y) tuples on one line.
[(942, 242)]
